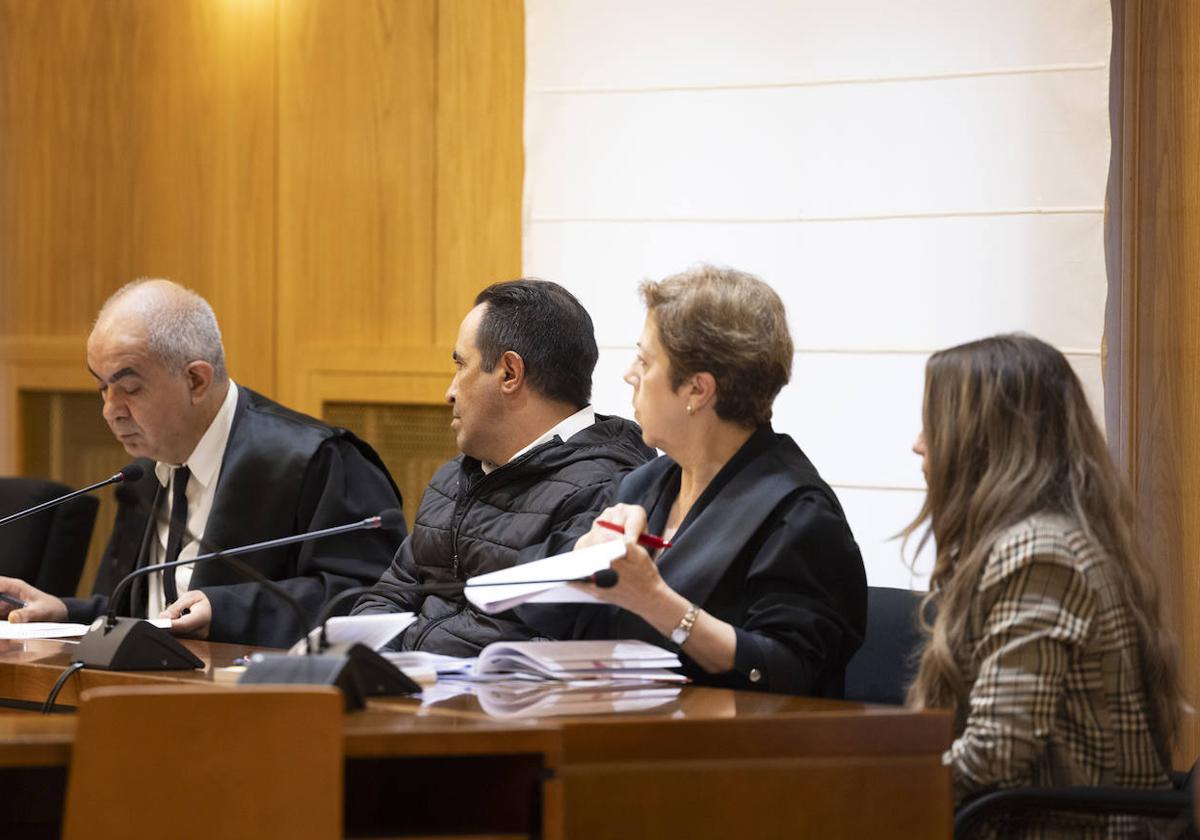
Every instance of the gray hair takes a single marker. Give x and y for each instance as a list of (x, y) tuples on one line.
[(180, 326)]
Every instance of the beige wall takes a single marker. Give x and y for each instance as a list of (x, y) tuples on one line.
[(908, 176)]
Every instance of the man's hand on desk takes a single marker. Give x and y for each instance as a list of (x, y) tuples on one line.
[(195, 624), (39, 605)]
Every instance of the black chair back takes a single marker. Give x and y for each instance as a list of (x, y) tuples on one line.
[(49, 548), (885, 664)]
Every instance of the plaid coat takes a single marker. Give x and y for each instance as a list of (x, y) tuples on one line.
[(1057, 695)]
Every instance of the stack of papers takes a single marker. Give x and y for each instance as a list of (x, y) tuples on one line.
[(526, 700), (611, 664), (575, 661)]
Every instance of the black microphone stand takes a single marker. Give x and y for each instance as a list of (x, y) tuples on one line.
[(357, 669), (226, 556), (130, 473), (129, 644)]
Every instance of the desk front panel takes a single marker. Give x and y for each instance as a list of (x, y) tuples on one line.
[(710, 763)]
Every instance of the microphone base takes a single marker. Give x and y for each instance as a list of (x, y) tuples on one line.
[(132, 644), (357, 670)]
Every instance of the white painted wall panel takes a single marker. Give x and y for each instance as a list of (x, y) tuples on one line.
[(642, 43), (955, 145), (907, 175), (876, 516), (906, 284), (847, 439)]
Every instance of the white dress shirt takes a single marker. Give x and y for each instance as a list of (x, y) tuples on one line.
[(566, 429), (205, 466)]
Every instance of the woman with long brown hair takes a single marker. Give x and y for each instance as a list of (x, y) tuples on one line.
[(1047, 642)]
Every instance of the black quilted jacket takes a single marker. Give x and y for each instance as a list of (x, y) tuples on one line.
[(470, 523)]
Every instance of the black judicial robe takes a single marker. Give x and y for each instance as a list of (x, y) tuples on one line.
[(765, 548), (283, 473)]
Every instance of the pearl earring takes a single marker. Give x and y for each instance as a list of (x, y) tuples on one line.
[(690, 409)]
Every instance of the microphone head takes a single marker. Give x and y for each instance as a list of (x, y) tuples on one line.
[(605, 578), (391, 518), (133, 472)]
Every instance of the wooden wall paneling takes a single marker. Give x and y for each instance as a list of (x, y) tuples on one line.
[(40, 363), (1115, 368), (1160, 209), (60, 431), (379, 387), (64, 165), (413, 440), (779, 799), (203, 144), (10, 423), (338, 179), (66, 439), (60, 376), (480, 145), (356, 158)]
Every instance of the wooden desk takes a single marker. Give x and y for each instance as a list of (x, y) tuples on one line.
[(710, 763)]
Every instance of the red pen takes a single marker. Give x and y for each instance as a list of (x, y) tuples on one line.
[(644, 540)]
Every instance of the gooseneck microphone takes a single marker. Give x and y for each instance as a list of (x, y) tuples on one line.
[(390, 518), (131, 644), (130, 473)]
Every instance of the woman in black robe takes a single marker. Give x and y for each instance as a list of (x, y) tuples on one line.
[(763, 586)]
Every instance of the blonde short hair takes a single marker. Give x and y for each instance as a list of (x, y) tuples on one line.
[(730, 324)]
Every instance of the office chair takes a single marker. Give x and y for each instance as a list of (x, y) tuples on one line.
[(885, 664), (1173, 805), (206, 762), (47, 549), (880, 673)]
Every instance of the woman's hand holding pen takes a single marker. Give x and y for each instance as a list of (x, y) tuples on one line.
[(639, 588), (626, 520)]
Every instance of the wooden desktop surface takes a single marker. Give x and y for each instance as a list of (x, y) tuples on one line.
[(708, 763)]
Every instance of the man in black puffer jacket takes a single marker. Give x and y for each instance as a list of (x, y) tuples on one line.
[(537, 466)]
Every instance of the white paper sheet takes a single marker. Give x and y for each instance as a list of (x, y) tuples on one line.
[(56, 629), (483, 593), (41, 630), (373, 630)]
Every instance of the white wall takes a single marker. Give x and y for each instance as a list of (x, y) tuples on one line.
[(907, 176)]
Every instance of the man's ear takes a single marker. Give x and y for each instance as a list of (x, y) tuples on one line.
[(199, 379), (512, 372)]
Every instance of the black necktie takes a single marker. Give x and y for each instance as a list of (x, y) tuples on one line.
[(179, 483)]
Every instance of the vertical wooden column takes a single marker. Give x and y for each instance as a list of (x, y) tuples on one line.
[(64, 190), (1158, 135), (356, 188), (203, 165), (480, 162)]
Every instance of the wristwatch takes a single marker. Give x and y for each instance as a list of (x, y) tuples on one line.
[(681, 633)]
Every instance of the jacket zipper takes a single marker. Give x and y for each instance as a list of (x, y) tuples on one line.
[(431, 626), (454, 563)]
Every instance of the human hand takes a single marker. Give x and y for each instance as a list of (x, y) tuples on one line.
[(39, 605), (632, 518), (196, 623)]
